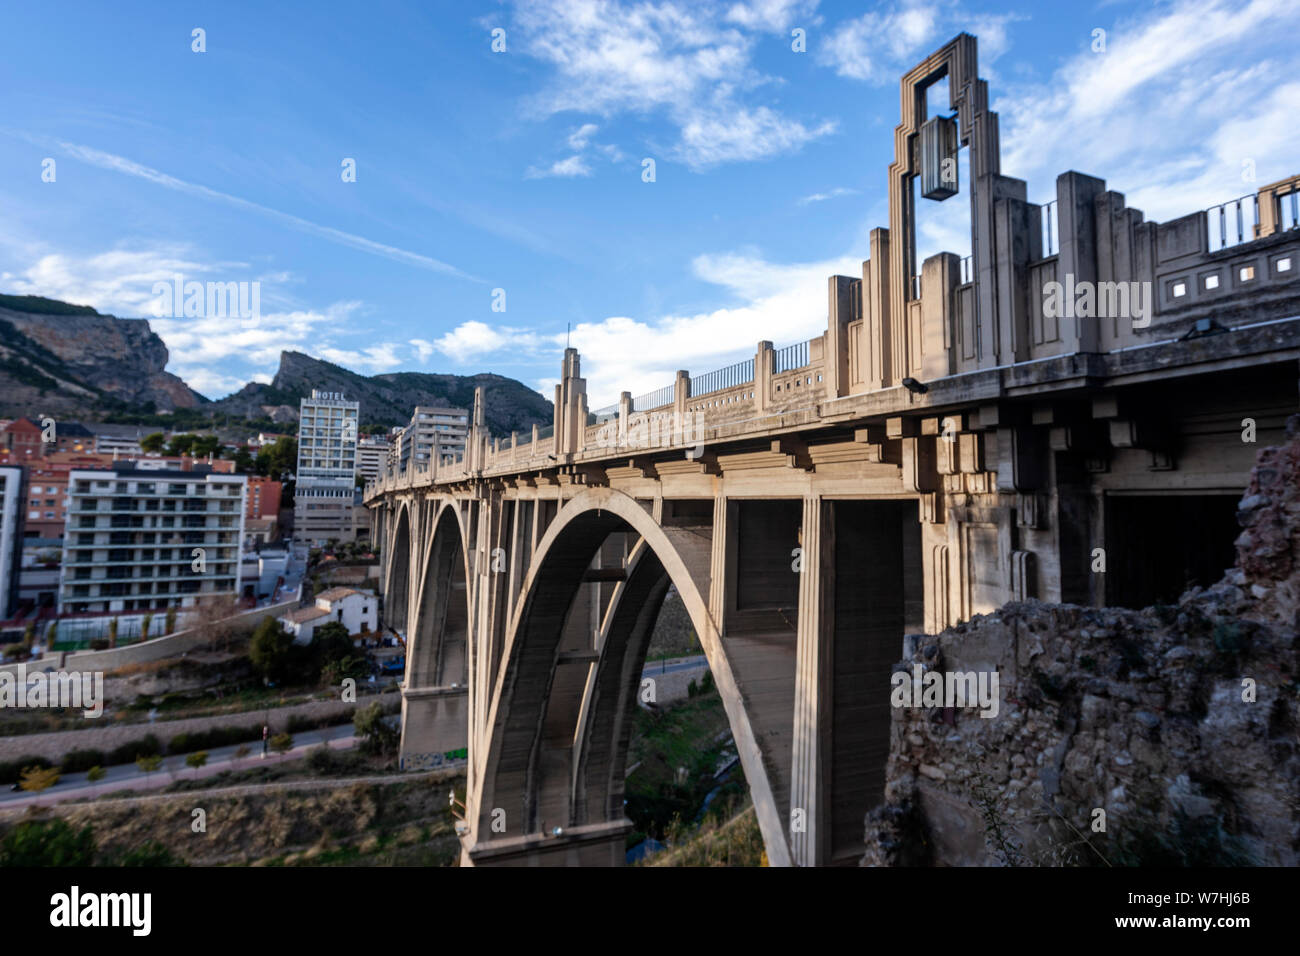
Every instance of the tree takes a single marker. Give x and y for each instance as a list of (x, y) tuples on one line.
[(197, 760), (112, 633), (244, 462), (280, 458), (269, 649), (204, 445), (281, 743), (181, 444), (51, 634), (144, 626), (148, 763), (153, 443), (36, 779), (171, 620), (377, 737), (33, 843), (95, 774), (29, 635)]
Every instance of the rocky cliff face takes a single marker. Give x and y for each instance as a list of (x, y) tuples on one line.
[(81, 362), (1174, 728)]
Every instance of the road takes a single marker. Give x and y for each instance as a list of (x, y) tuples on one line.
[(130, 777), (673, 664)]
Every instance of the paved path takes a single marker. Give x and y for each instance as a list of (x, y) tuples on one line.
[(130, 777)]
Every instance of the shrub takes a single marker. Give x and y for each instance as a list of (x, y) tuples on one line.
[(11, 772), (132, 750), (99, 643), (211, 739), (47, 843), (75, 761), (377, 737)]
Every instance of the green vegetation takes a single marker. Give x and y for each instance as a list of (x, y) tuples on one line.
[(735, 842), (39, 305), (675, 752), (42, 843), (377, 737)]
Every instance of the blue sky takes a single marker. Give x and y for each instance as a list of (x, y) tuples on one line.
[(522, 170)]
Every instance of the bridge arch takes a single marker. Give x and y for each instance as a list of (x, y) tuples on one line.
[(436, 641), (541, 751), (435, 689), (397, 580)]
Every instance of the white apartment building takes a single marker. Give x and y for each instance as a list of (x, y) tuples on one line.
[(143, 540), (372, 453), (433, 433), (327, 467)]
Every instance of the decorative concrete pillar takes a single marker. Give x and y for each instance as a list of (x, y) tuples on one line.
[(763, 376), (809, 787)]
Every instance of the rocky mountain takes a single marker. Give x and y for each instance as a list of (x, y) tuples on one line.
[(70, 360), (73, 362), (388, 399)]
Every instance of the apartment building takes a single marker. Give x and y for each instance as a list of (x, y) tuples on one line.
[(263, 498), (327, 466), (372, 453), (12, 500), (140, 540), (433, 433)]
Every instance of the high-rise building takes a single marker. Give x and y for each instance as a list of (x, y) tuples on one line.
[(327, 467), (12, 495), (140, 540)]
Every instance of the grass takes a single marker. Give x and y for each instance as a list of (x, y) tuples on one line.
[(733, 842)]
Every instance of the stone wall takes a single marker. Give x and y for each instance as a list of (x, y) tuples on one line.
[(1179, 722)]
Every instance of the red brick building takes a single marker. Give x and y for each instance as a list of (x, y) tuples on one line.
[(263, 498)]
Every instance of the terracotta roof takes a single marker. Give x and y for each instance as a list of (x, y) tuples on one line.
[(304, 614), (334, 594)]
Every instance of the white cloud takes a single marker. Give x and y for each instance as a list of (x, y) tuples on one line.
[(691, 62), (831, 194), (423, 349), (579, 138), (712, 138), (773, 16), (1168, 114), (564, 168), (881, 45), (782, 303), (472, 339)]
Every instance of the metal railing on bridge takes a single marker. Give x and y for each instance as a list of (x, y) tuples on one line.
[(790, 358), (656, 399), (742, 373), (1049, 223), (1232, 223), (602, 414)]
